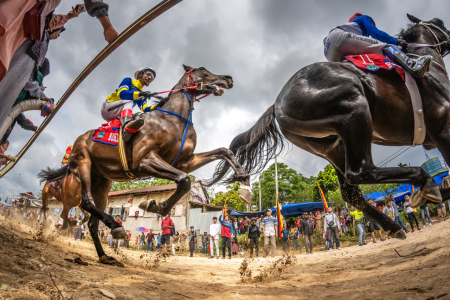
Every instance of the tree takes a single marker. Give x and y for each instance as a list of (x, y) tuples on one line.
[(231, 197), (402, 165), (292, 187), (135, 184), (328, 181)]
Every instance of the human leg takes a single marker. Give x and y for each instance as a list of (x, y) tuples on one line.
[(427, 211), (410, 219), (336, 237), (311, 245), (252, 244), (274, 245), (216, 243), (330, 238), (229, 246), (399, 221), (360, 228), (266, 245), (224, 241)]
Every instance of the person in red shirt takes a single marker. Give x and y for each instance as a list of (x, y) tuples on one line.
[(118, 220), (166, 226), (298, 222)]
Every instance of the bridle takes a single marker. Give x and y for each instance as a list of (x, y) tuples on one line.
[(430, 26)]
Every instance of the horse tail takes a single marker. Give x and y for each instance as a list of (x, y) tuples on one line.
[(54, 174), (254, 148)]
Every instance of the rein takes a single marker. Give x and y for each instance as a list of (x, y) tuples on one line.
[(188, 87)]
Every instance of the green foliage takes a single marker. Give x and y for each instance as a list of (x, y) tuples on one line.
[(372, 188), (135, 184), (328, 181), (292, 187), (232, 198)]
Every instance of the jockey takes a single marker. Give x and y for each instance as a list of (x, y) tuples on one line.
[(65, 159), (121, 102), (353, 38)]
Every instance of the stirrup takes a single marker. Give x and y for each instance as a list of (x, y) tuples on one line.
[(131, 128)]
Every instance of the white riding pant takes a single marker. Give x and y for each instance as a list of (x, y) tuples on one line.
[(340, 43), (212, 243), (112, 110)]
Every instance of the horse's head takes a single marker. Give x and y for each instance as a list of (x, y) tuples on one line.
[(208, 83), (431, 32)]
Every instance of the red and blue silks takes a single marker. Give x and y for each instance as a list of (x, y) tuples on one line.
[(108, 133), (374, 62), (47, 108)]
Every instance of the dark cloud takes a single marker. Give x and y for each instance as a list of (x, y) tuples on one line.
[(261, 43)]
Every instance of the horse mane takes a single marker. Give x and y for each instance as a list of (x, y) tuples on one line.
[(409, 34)]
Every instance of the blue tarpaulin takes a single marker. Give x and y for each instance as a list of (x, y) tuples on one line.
[(287, 211), (400, 192)]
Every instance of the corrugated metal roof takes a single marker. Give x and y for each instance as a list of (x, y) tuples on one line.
[(149, 189)]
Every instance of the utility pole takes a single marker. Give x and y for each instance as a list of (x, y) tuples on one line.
[(260, 192), (276, 179)]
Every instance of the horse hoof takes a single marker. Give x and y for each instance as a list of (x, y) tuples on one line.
[(432, 194), (108, 260), (399, 235), (149, 206), (417, 199), (118, 233), (245, 193)]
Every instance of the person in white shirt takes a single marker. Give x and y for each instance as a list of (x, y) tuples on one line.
[(214, 230), (332, 227), (411, 214)]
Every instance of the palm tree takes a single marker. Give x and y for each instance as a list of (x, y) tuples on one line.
[(402, 165)]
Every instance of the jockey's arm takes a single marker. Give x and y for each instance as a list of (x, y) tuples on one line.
[(124, 90), (367, 23)]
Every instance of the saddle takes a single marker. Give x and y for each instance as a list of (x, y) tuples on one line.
[(375, 62), (108, 133)]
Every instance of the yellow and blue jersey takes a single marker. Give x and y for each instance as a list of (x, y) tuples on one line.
[(129, 89)]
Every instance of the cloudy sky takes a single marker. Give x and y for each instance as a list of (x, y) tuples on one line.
[(261, 43)]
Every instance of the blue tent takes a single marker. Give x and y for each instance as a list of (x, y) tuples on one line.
[(400, 192), (287, 211)]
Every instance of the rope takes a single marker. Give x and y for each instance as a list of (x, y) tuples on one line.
[(123, 157), (186, 129)]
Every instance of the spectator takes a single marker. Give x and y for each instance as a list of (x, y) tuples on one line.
[(270, 227), (295, 237), (205, 239), (142, 240), (371, 227), (246, 221), (318, 221), (285, 234), (110, 240), (227, 234), (411, 214), (214, 230), (260, 223), (136, 215), (127, 239), (253, 237), (236, 226), (176, 241), (234, 246), (298, 223), (183, 242), (343, 224), (398, 220), (424, 209), (325, 238), (150, 237), (166, 226), (332, 227), (242, 226), (307, 230), (389, 211), (158, 242), (192, 240), (441, 211)]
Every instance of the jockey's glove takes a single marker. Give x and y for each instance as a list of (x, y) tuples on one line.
[(402, 43), (147, 94)]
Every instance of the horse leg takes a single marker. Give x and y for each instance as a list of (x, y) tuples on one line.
[(156, 167), (442, 140), (196, 161), (360, 169), (65, 216), (93, 229), (87, 203), (86, 215), (334, 151)]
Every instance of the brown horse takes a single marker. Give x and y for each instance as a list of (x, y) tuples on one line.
[(69, 194), (153, 151)]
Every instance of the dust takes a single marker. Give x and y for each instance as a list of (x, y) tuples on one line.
[(244, 270), (275, 269)]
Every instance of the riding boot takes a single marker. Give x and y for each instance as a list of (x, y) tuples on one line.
[(129, 126), (418, 67)]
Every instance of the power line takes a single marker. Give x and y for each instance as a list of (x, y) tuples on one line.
[(382, 162), (396, 156), (295, 164)]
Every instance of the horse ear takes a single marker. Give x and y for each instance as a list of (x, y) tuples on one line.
[(187, 68), (413, 19)]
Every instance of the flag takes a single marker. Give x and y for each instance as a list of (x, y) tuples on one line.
[(280, 220), (323, 198), (225, 206)]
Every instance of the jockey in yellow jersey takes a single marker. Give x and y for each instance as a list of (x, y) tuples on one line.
[(65, 159), (121, 102)]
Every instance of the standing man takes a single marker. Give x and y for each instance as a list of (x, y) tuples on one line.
[(374, 225), (332, 227), (298, 223), (205, 243), (118, 221), (270, 227), (285, 233), (227, 233), (307, 228), (423, 210), (166, 226), (192, 240), (295, 237), (441, 211), (150, 237), (253, 237), (411, 214), (389, 211), (398, 220), (214, 230), (359, 221), (142, 241)]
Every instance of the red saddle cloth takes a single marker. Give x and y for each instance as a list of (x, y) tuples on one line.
[(108, 133), (373, 62)]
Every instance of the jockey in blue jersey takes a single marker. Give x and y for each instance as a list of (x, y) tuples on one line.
[(352, 38), (121, 102)]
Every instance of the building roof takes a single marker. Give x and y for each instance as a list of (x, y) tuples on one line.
[(28, 195), (145, 190)]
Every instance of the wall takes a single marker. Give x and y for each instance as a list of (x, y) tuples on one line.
[(201, 221)]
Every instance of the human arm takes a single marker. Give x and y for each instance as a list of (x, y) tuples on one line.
[(374, 32), (99, 9), (124, 90), (35, 91)]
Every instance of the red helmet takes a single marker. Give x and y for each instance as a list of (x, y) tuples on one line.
[(355, 16)]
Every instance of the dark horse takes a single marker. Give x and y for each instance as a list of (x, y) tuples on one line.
[(335, 111), (149, 153)]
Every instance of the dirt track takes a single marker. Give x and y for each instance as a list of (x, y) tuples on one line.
[(374, 271)]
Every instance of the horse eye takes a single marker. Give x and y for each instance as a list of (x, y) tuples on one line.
[(201, 69)]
